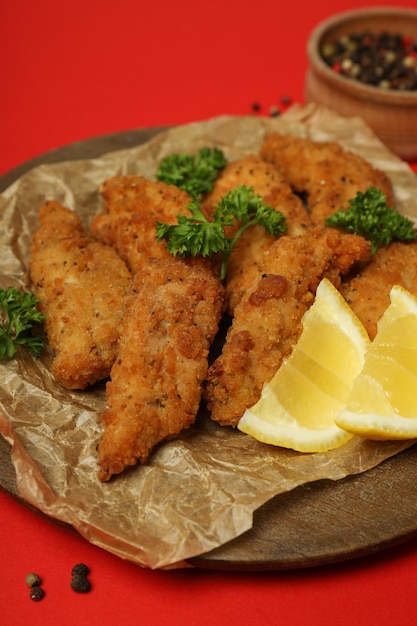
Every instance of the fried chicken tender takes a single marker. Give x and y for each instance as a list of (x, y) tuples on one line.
[(368, 292), (268, 182), (171, 319), (267, 321), (156, 382), (324, 173), (132, 207), (81, 285)]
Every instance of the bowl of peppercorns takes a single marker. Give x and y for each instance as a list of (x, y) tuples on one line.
[(364, 63)]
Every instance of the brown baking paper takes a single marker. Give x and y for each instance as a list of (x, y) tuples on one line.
[(199, 491)]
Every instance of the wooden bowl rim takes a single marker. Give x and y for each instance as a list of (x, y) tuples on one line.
[(352, 86)]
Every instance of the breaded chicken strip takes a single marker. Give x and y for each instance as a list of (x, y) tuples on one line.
[(268, 182), (81, 285), (170, 322), (156, 382), (324, 173), (267, 321), (132, 207), (368, 293)]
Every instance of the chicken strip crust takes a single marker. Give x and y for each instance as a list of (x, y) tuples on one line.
[(156, 382), (368, 293), (325, 174), (81, 285), (268, 182), (267, 321), (170, 322), (132, 207)]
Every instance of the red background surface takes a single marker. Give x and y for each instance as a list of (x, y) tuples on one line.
[(74, 70)]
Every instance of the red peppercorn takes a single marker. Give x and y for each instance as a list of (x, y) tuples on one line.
[(386, 60), (407, 42)]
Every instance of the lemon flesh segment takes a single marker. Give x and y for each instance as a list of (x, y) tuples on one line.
[(298, 407), (383, 400)]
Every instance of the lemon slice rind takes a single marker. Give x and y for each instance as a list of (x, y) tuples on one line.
[(378, 427), (295, 437)]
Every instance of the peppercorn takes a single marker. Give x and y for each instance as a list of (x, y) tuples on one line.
[(286, 100), (81, 569), (387, 60), (79, 580), (36, 593), (80, 584), (33, 580)]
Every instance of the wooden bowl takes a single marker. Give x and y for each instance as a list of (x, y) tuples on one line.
[(392, 114)]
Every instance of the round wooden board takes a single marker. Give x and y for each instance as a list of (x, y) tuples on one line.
[(319, 523)]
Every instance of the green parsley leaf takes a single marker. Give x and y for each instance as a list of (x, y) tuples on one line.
[(18, 316), (195, 234), (195, 174), (369, 215)]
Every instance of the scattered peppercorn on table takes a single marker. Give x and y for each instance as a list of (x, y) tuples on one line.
[(75, 71)]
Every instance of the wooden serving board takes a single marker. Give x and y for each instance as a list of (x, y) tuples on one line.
[(315, 524)]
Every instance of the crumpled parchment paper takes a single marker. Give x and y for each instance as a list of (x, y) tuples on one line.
[(199, 491)]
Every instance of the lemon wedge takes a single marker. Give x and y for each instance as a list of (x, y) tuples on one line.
[(383, 400), (298, 407)]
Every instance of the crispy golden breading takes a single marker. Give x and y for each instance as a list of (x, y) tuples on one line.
[(368, 292), (132, 207), (81, 285), (267, 321), (156, 382), (170, 321), (269, 183), (326, 174), (121, 305)]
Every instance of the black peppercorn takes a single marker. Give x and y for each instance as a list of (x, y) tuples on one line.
[(386, 60), (80, 584), (81, 569), (36, 593)]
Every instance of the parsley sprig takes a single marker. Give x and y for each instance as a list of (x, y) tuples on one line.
[(18, 316), (195, 174), (195, 234), (369, 215)]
